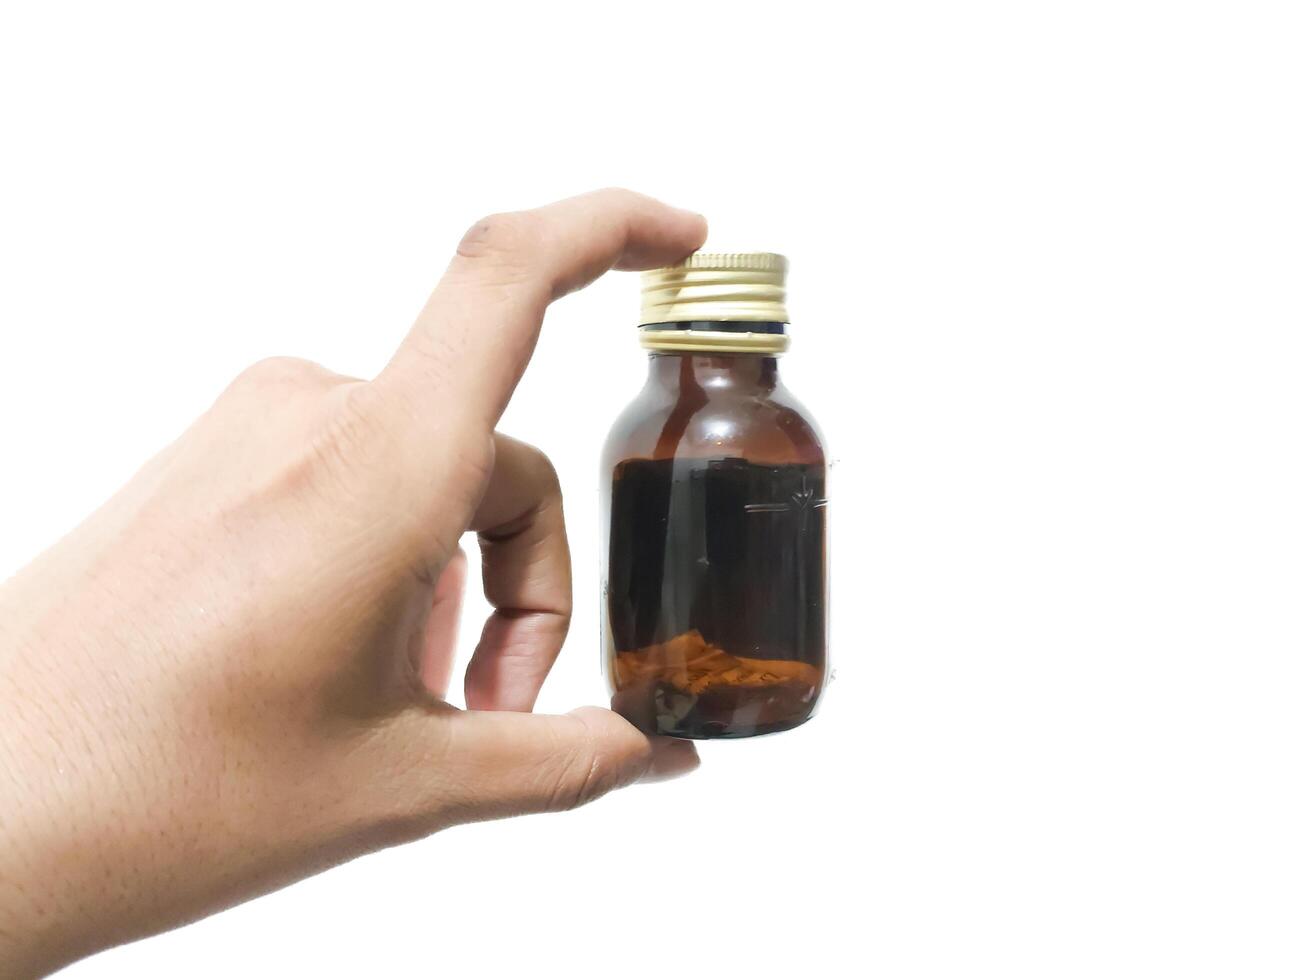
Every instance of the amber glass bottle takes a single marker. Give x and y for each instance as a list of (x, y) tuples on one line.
[(714, 484)]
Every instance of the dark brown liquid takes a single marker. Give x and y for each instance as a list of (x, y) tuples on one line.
[(717, 594)]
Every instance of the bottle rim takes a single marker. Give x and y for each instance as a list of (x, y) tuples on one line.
[(677, 337)]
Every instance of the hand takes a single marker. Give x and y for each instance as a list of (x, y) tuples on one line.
[(232, 675)]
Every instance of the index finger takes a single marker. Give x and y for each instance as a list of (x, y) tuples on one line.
[(472, 341)]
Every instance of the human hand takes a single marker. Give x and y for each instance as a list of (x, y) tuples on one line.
[(232, 675)]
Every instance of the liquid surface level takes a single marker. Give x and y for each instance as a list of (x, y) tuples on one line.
[(717, 595)]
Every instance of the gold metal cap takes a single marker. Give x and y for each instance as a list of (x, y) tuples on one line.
[(716, 287)]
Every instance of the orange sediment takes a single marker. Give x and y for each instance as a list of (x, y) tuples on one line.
[(692, 664)]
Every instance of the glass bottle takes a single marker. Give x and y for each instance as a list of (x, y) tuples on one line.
[(714, 514)]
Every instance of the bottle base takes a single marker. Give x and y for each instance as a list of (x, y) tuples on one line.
[(711, 731), (687, 687), (715, 712)]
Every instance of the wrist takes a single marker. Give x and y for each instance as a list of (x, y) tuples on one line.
[(36, 916), (29, 916)]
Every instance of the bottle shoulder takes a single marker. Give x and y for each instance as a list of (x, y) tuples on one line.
[(767, 426)]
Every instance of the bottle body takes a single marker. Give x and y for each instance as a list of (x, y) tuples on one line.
[(714, 571)]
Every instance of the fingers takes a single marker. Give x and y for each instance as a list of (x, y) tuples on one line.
[(527, 576), (471, 343), (508, 763), (426, 421)]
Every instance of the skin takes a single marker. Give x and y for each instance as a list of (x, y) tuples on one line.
[(233, 674)]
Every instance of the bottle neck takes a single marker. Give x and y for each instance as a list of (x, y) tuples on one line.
[(710, 373)]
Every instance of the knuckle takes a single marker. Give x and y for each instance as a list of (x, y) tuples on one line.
[(582, 783), (542, 471), (273, 372), (587, 773), (468, 462), (473, 460), (618, 194), (509, 238), (357, 427), (557, 621), (548, 473)]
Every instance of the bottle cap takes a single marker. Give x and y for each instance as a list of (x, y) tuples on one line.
[(716, 301)]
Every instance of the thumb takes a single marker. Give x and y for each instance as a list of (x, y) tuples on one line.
[(504, 763)]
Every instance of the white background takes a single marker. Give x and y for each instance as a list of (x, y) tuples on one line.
[(1049, 296)]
